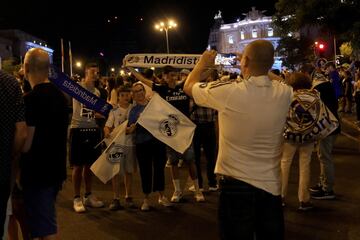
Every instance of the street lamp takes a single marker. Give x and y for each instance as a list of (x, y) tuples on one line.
[(78, 64), (165, 26)]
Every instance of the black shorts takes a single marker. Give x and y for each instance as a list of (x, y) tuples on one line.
[(82, 143)]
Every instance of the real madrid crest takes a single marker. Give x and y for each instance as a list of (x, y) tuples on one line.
[(116, 154), (304, 111), (168, 127)]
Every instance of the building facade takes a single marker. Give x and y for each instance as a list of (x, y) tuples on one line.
[(15, 43), (233, 37)]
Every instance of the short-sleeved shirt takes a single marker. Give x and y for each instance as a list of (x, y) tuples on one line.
[(117, 116), (84, 117), (202, 114), (45, 163), (141, 134), (252, 116), (175, 96), (12, 111)]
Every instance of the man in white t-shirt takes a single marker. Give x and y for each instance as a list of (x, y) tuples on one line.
[(252, 116), (127, 167)]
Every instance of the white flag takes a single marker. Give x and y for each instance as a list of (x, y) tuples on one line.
[(167, 124), (119, 148)]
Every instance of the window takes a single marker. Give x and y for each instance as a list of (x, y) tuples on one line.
[(270, 32), (254, 33), (242, 35), (231, 40)]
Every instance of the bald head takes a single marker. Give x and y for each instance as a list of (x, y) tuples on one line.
[(258, 57), (36, 66)]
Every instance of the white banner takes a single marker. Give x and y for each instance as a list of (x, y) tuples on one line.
[(119, 148), (148, 60), (167, 124)]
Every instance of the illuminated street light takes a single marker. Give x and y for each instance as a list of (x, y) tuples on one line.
[(165, 27), (112, 69), (78, 64)]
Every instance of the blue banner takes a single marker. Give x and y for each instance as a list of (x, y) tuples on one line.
[(76, 91)]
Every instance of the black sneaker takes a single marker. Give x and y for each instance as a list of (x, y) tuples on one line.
[(323, 195), (115, 205), (316, 188), (129, 202), (305, 206)]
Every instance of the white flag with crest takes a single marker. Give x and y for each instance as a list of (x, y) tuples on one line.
[(119, 148), (167, 124)]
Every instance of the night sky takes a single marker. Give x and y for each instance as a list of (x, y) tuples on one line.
[(131, 27)]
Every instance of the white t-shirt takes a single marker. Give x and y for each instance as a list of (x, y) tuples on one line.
[(117, 116), (83, 117), (252, 116)]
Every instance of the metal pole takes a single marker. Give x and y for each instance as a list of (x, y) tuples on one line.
[(62, 55), (70, 58), (335, 51), (167, 40)]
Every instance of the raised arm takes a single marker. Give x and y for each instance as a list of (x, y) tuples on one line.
[(140, 77), (206, 61)]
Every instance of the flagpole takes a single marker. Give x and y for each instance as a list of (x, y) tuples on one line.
[(70, 56), (62, 55)]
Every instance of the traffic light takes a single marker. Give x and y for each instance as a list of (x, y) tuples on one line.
[(319, 48)]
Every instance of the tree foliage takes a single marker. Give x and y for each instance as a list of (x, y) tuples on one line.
[(10, 66), (346, 49), (294, 51), (337, 17)]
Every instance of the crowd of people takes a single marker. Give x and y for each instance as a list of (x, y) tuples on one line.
[(241, 121)]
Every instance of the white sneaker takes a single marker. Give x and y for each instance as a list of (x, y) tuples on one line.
[(199, 197), (92, 201), (180, 163), (145, 206), (192, 189), (168, 164), (177, 196), (165, 202), (213, 189), (78, 205)]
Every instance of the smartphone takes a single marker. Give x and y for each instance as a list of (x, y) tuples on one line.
[(225, 59)]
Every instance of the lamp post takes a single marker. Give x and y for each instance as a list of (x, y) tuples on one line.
[(165, 26), (78, 64)]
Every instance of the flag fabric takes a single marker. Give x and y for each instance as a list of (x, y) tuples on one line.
[(167, 124), (78, 92), (119, 148)]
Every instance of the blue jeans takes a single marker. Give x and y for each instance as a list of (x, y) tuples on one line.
[(246, 212), (326, 162), (205, 136)]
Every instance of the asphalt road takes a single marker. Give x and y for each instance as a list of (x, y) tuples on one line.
[(337, 219)]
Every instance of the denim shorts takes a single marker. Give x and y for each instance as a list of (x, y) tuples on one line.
[(173, 156), (40, 208)]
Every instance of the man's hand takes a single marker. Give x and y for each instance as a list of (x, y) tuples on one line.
[(131, 128), (99, 115), (206, 61)]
